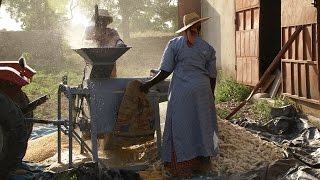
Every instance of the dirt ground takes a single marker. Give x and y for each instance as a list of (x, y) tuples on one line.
[(233, 141), (44, 151)]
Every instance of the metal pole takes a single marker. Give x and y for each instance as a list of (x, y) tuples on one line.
[(94, 141), (77, 136), (157, 123), (81, 144), (44, 121), (59, 126), (70, 132)]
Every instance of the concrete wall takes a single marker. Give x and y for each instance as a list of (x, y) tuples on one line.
[(219, 31)]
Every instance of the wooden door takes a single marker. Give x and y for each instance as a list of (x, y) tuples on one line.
[(247, 41), (300, 65)]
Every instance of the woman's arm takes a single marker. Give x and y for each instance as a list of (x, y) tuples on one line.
[(213, 84), (162, 75)]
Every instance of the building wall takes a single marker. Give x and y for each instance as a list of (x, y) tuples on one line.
[(219, 31), (186, 7)]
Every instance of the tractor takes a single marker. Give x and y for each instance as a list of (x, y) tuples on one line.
[(15, 108)]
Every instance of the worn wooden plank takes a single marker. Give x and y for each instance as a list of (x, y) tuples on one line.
[(284, 36), (318, 48), (298, 61), (246, 3), (237, 21), (239, 5), (239, 69), (256, 51), (284, 77), (238, 44), (247, 43), (254, 3), (248, 19), (295, 80), (242, 44), (307, 43), (253, 43), (256, 18), (299, 45), (308, 83), (303, 80), (302, 98), (297, 12), (314, 82), (292, 49), (314, 43), (249, 70), (255, 71), (245, 73), (241, 20), (242, 5), (286, 73)]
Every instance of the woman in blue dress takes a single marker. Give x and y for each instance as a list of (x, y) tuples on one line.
[(190, 136)]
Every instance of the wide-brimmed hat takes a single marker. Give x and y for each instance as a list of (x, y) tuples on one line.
[(191, 19), (104, 14)]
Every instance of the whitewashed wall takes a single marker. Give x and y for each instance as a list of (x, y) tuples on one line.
[(219, 31)]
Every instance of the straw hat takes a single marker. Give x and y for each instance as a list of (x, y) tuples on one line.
[(104, 14), (191, 19)]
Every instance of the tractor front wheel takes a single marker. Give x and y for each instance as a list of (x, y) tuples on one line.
[(22, 100), (13, 136)]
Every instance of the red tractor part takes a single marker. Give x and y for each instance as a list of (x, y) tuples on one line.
[(13, 71), (14, 130)]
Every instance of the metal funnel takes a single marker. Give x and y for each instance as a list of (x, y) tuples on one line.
[(103, 56), (100, 61)]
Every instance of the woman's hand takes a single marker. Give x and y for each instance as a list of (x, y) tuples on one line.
[(145, 87), (155, 80)]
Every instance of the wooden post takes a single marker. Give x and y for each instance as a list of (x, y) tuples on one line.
[(267, 73), (318, 36)]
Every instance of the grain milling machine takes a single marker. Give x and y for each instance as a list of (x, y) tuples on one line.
[(93, 105)]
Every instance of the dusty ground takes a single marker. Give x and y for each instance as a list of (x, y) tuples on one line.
[(44, 151), (234, 140)]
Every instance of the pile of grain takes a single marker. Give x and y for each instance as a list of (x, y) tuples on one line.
[(43, 148), (240, 151)]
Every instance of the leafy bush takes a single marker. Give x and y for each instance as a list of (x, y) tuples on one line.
[(228, 89), (280, 102), (261, 110)]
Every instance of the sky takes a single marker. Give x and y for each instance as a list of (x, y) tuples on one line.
[(6, 22)]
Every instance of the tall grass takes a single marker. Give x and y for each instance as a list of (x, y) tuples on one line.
[(229, 90)]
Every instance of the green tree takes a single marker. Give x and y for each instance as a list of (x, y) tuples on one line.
[(37, 14), (165, 13), (134, 16)]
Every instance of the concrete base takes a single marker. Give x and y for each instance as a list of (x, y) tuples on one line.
[(312, 111)]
